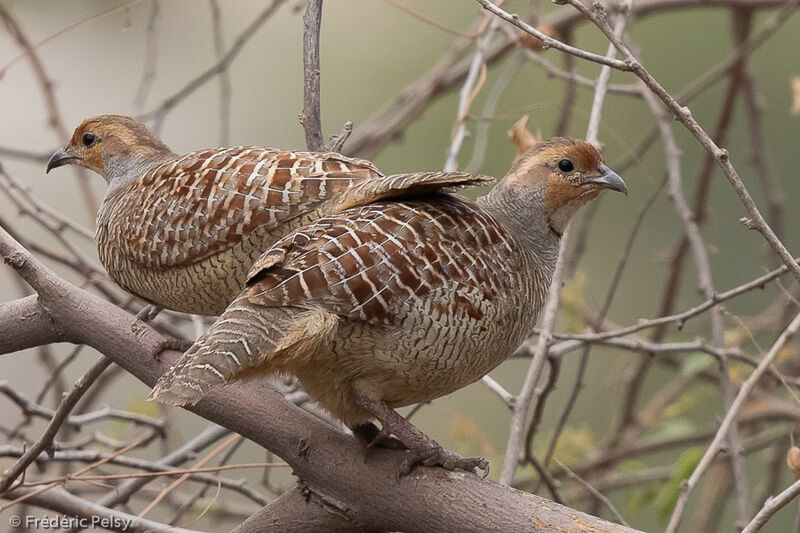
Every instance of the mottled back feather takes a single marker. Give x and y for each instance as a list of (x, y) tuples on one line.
[(189, 209), (444, 253)]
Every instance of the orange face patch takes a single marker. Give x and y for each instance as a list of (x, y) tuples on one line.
[(562, 192)]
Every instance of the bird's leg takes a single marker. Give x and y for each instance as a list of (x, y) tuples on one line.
[(423, 449), (148, 313), (369, 435)]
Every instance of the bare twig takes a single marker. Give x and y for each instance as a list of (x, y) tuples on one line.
[(224, 76), (603, 78), (703, 266), (594, 492), (469, 90), (310, 119), (725, 425), (45, 441), (337, 141), (522, 402), (772, 506), (150, 58), (220, 66), (54, 115), (684, 116), (550, 42)]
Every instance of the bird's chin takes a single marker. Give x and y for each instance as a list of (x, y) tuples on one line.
[(588, 194)]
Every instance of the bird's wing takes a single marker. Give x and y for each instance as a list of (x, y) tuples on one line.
[(442, 254), (207, 201), (409, 185)]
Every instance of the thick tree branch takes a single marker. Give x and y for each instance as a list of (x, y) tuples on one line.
[(25, 324), (297, 511)]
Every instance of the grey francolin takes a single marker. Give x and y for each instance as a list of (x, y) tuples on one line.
[(398, 302), (182, 231)]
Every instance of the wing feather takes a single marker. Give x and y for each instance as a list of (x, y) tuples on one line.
[(369, 261), (208, 201)]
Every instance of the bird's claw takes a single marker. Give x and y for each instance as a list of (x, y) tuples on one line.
[(438, 456)]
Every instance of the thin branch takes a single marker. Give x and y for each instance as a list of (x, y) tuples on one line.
[(476, 76), (772, 506), (337, 141), (594, 492), (224, 76), (522, 403), (53, 114), (682, 317), (220, 66), (703, 267), (549, 42), (150, 58), (725, 425), (621, 21), (310, 118), (510, 71), (124, 491), (60, 500), (46, 440), (684, 116)]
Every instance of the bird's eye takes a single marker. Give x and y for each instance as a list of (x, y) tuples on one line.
[(88, 139), (565, 165)]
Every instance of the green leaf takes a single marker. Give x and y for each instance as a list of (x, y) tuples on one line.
[(668, 494), (694, 363)]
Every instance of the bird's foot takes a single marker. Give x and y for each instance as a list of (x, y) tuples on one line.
[(423, 450), (438, 456)]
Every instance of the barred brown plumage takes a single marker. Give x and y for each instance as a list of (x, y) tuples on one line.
[(397, 302), (182, 231)]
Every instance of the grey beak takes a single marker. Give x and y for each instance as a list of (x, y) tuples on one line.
[(609, 180), (60, 158)]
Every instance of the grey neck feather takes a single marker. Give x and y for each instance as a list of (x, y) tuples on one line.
[(122, 169), (522, 210)]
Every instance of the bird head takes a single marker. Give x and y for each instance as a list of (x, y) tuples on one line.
[(562, 174), (109, 145)]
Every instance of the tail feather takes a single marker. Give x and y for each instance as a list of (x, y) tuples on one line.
[(245, 336)]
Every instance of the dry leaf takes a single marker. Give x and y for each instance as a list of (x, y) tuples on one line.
[(793, 460), (521, 137), (534, 43), (796, 97)]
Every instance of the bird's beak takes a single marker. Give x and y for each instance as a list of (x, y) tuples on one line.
[(60, 158), (609, 180)]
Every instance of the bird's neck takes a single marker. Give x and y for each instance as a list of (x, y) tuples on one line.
[(123, 168), (523, 211)]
